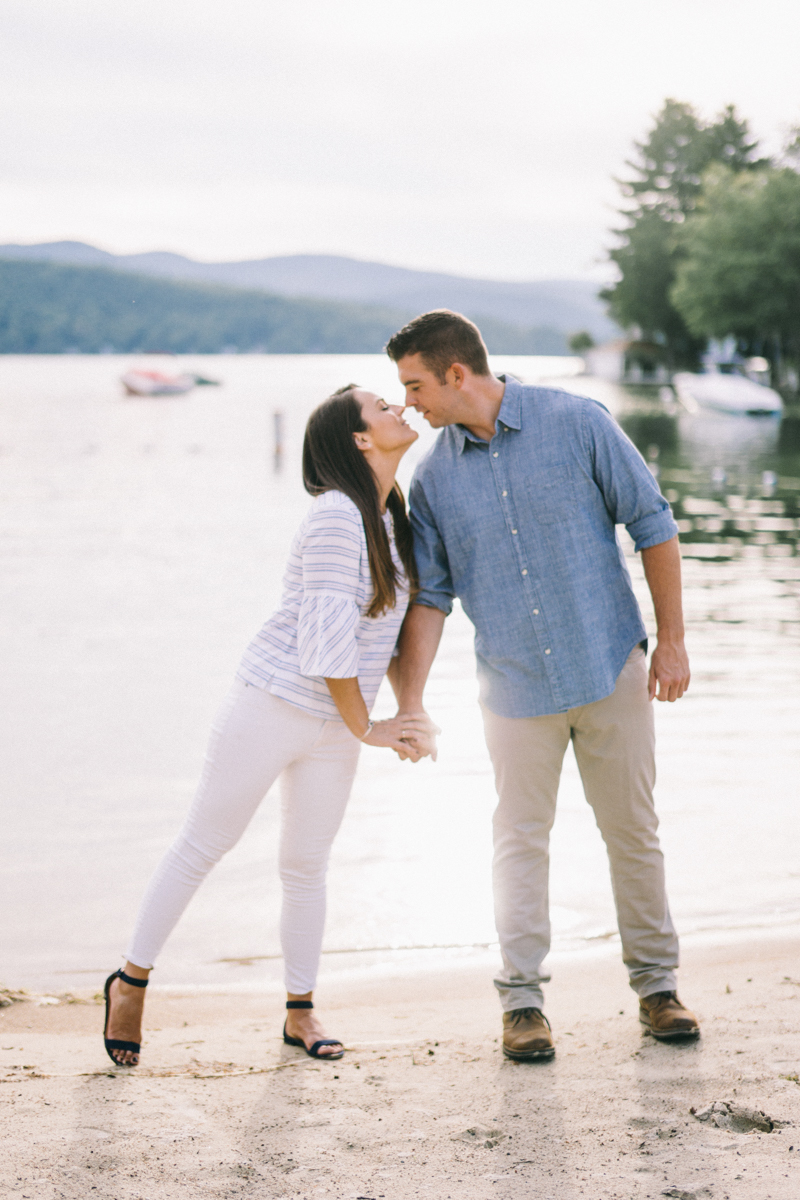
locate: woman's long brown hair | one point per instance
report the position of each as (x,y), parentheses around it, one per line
(333,462)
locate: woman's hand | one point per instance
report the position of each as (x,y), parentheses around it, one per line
(410,736)
(424,743)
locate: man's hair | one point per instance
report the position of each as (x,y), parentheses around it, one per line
(442,338)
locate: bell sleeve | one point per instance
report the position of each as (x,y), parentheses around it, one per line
(330,613)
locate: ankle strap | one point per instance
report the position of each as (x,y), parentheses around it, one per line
(299,1004)
(129,979)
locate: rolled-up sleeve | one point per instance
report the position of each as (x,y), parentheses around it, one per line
(328,622)
(630,492)
(435,582)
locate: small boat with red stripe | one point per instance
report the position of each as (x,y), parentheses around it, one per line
(138,382)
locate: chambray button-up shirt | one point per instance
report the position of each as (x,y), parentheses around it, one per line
(522,530)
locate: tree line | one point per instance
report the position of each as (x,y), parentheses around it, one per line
(710,241)
(46,308)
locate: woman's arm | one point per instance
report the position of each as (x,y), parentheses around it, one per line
(327,627)
(406,736)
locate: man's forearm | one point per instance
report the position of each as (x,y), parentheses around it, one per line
(418,643)
(662,570)
(669,666)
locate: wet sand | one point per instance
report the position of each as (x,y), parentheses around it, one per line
(423,1103)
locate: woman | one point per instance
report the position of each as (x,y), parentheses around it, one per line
(299,709)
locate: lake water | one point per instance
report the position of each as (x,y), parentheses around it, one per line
(143,542)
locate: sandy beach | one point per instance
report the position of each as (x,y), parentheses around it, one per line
(423,1104)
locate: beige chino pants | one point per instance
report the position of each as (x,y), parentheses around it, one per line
(614,743)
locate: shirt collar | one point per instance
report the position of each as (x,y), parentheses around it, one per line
(511,409)
(510,413)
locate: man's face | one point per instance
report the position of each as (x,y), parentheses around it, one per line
(436,401)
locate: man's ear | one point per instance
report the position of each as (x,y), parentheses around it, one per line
(455,375)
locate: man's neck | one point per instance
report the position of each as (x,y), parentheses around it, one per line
(482,406)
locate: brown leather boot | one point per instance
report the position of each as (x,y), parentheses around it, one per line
(666,1018)
(527,1036)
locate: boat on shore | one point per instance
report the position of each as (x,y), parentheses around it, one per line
(726,391)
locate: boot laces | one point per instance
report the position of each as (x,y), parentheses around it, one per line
(524,1014)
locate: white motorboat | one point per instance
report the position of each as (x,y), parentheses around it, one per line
(726,391)
(155,383)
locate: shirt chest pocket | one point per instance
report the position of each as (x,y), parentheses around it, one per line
(552,496)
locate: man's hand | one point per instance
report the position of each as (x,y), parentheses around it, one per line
(407,735)
(421,739)
(669,671)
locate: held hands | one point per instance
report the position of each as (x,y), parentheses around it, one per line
(424,743)
(410,735)
(669,671)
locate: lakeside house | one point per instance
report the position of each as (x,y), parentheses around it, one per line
(628,360)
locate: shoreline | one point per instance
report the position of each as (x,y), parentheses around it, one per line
(384,963)
(423,1104)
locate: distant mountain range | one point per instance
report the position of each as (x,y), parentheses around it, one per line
(553,308)
(52,308)
(55,308)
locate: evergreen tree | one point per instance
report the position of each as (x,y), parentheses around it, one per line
(665,188)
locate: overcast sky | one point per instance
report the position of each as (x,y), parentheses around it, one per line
(473,136)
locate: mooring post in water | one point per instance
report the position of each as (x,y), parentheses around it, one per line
(277,421)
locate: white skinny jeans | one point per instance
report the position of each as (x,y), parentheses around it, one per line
(257,737)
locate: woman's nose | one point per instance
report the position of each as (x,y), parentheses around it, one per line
(397,409)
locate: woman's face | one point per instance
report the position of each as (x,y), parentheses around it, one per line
(386,428)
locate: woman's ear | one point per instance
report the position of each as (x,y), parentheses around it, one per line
(362,441)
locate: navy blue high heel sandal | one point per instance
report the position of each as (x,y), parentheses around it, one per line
(313,1051)
(113,1043)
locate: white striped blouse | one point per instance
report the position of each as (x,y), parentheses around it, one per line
(321,629)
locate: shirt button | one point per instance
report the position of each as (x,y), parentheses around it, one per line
(524,570)
(547,651)
(505,493)
(536,612)
(513,531)
(495,455)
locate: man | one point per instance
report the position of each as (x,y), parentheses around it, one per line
(514,511)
